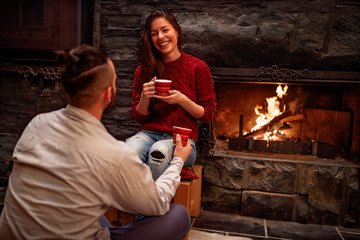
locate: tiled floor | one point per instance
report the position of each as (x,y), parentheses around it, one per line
(221,226)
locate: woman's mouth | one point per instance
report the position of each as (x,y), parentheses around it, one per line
(164,43)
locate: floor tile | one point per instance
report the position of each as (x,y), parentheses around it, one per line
(350,236)
(230,223)
(207,235)
(223,226)
(293,230)
(350,230)
(349,233)
(247,236)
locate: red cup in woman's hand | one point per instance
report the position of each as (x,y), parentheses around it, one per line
(162,87)
(184,134)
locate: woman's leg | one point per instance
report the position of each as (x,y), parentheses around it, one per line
(159,158)
(192,158)
(141,143)
(173,225)
(161,154)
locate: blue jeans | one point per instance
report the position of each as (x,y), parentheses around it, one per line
(156,150)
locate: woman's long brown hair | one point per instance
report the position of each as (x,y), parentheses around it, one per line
(150,58)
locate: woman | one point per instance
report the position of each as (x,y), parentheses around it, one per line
(192,97)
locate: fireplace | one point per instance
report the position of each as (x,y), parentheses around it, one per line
(315,113)
(308,172)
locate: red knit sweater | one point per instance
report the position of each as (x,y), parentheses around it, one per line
(190,76)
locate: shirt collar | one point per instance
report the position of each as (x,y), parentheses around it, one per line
(82,115)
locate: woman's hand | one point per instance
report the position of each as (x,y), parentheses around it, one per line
(149,89)
(148,92)
(175,97)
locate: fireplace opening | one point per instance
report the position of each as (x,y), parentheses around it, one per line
(318,117)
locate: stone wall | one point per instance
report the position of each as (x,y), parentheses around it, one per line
(20,100)
(318,35)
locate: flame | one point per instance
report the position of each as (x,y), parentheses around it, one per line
(281,92)
(273,110)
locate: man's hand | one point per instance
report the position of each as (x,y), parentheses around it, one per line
(180,151)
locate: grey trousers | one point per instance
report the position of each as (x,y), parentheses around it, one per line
(174,225)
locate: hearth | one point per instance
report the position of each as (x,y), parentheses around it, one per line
(307,171)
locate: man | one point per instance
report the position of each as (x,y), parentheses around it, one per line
(68,170)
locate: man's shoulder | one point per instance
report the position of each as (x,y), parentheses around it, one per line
(46,116)
(120,148)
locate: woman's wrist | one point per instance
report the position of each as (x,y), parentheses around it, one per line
(192,107)
(143,105)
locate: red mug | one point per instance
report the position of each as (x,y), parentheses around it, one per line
(184,134)
(162,87)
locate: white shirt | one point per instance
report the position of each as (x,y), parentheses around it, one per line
(68,170)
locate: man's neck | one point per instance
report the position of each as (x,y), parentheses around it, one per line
(92,110)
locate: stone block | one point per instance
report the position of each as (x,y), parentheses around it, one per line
(300,211)
(7,144)
(323,185)
(331,192)
(322,217)
(120,21)
(267,205)
(353,211)
(345,32)
(223,172)
(272,176)
(219,199)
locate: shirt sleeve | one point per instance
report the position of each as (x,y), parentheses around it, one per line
(135,191)
(205,95)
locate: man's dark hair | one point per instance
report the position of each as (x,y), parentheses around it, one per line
(84,72)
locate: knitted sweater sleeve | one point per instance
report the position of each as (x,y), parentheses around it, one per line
(137,89)
(205,95)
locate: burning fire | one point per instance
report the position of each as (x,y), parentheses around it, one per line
(273,110)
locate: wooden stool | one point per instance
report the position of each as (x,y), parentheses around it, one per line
(189,194)
(118,218)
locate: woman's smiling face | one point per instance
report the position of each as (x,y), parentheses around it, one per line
(164,37)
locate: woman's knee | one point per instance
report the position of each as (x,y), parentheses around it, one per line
(162,151)
(160,156)
(192,158)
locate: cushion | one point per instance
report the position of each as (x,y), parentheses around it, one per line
(187,173)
